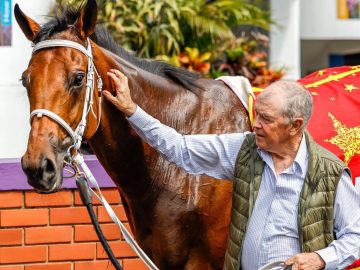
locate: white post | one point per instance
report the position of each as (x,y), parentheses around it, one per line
(285,37)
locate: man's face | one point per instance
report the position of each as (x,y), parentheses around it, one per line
(272,130)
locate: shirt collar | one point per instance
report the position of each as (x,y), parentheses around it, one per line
(301,158)
(299,165)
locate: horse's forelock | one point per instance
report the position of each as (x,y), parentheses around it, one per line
(59,23)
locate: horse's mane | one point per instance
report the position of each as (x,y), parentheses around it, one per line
(102,37)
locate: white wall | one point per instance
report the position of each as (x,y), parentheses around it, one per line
(309,20)
(315,53)
(322,34)
(285,37)
(319,21)
(14,108)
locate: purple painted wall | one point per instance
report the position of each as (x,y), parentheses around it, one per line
(13,178)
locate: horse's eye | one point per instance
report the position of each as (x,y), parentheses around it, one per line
(78,80)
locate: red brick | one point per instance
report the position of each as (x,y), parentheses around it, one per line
(44,235)
(111,195)
(103,215)
(119,248)
(12,267)
(10,237)
(84,233)
(75,215)
(70,252)
(33,199)
(49,266)
(131,264)
(24,217)
(95,265)
(11,199)
(22,254)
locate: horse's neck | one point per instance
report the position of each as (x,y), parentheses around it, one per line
(116,145)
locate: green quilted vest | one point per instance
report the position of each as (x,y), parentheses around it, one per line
(315,215)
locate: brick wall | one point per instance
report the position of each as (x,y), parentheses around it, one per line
(54,232)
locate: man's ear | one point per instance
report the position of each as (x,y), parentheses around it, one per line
(86,23)
(297,125)
(28,26)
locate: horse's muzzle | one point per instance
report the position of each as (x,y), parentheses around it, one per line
(43,175)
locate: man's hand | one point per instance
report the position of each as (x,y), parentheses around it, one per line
(122,99)
(306,261)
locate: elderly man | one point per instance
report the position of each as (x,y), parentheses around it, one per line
(292,201)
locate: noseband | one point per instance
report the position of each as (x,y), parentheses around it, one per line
(78,133)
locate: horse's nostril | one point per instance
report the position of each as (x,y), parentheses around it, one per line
(42,175)
(48,168)
(44,171)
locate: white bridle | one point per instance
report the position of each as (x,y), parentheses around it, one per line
(89,94)
(79,132)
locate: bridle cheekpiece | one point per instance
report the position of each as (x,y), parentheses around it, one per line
(78,133)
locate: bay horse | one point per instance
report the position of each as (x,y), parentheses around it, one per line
(180,221)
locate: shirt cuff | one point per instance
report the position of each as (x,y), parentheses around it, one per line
(329,256)
(139,118)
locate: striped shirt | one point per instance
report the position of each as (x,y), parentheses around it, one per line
(272,233)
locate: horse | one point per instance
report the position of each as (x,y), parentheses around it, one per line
(180,220)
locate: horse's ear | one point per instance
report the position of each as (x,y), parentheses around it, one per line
(29,27)
(87,21)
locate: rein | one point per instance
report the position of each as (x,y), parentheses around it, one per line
(77,159)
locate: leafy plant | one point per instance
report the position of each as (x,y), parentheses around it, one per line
(192,60)
(208,24)
(247,57)
(148,27)
(167,27)
(184,32)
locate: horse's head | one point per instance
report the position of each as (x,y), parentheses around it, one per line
(56,83)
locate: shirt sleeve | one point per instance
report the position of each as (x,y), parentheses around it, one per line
(346,249)
(211,154)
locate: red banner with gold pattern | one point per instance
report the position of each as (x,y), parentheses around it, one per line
(335,123)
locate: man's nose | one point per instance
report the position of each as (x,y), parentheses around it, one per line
(256,124)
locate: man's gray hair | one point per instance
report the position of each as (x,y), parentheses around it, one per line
(298,101)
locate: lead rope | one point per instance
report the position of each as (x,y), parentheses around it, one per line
(77,160)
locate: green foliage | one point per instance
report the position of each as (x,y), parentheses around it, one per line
(167,27)
(184,32)
(235,54)
(148,27)
(247,56)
